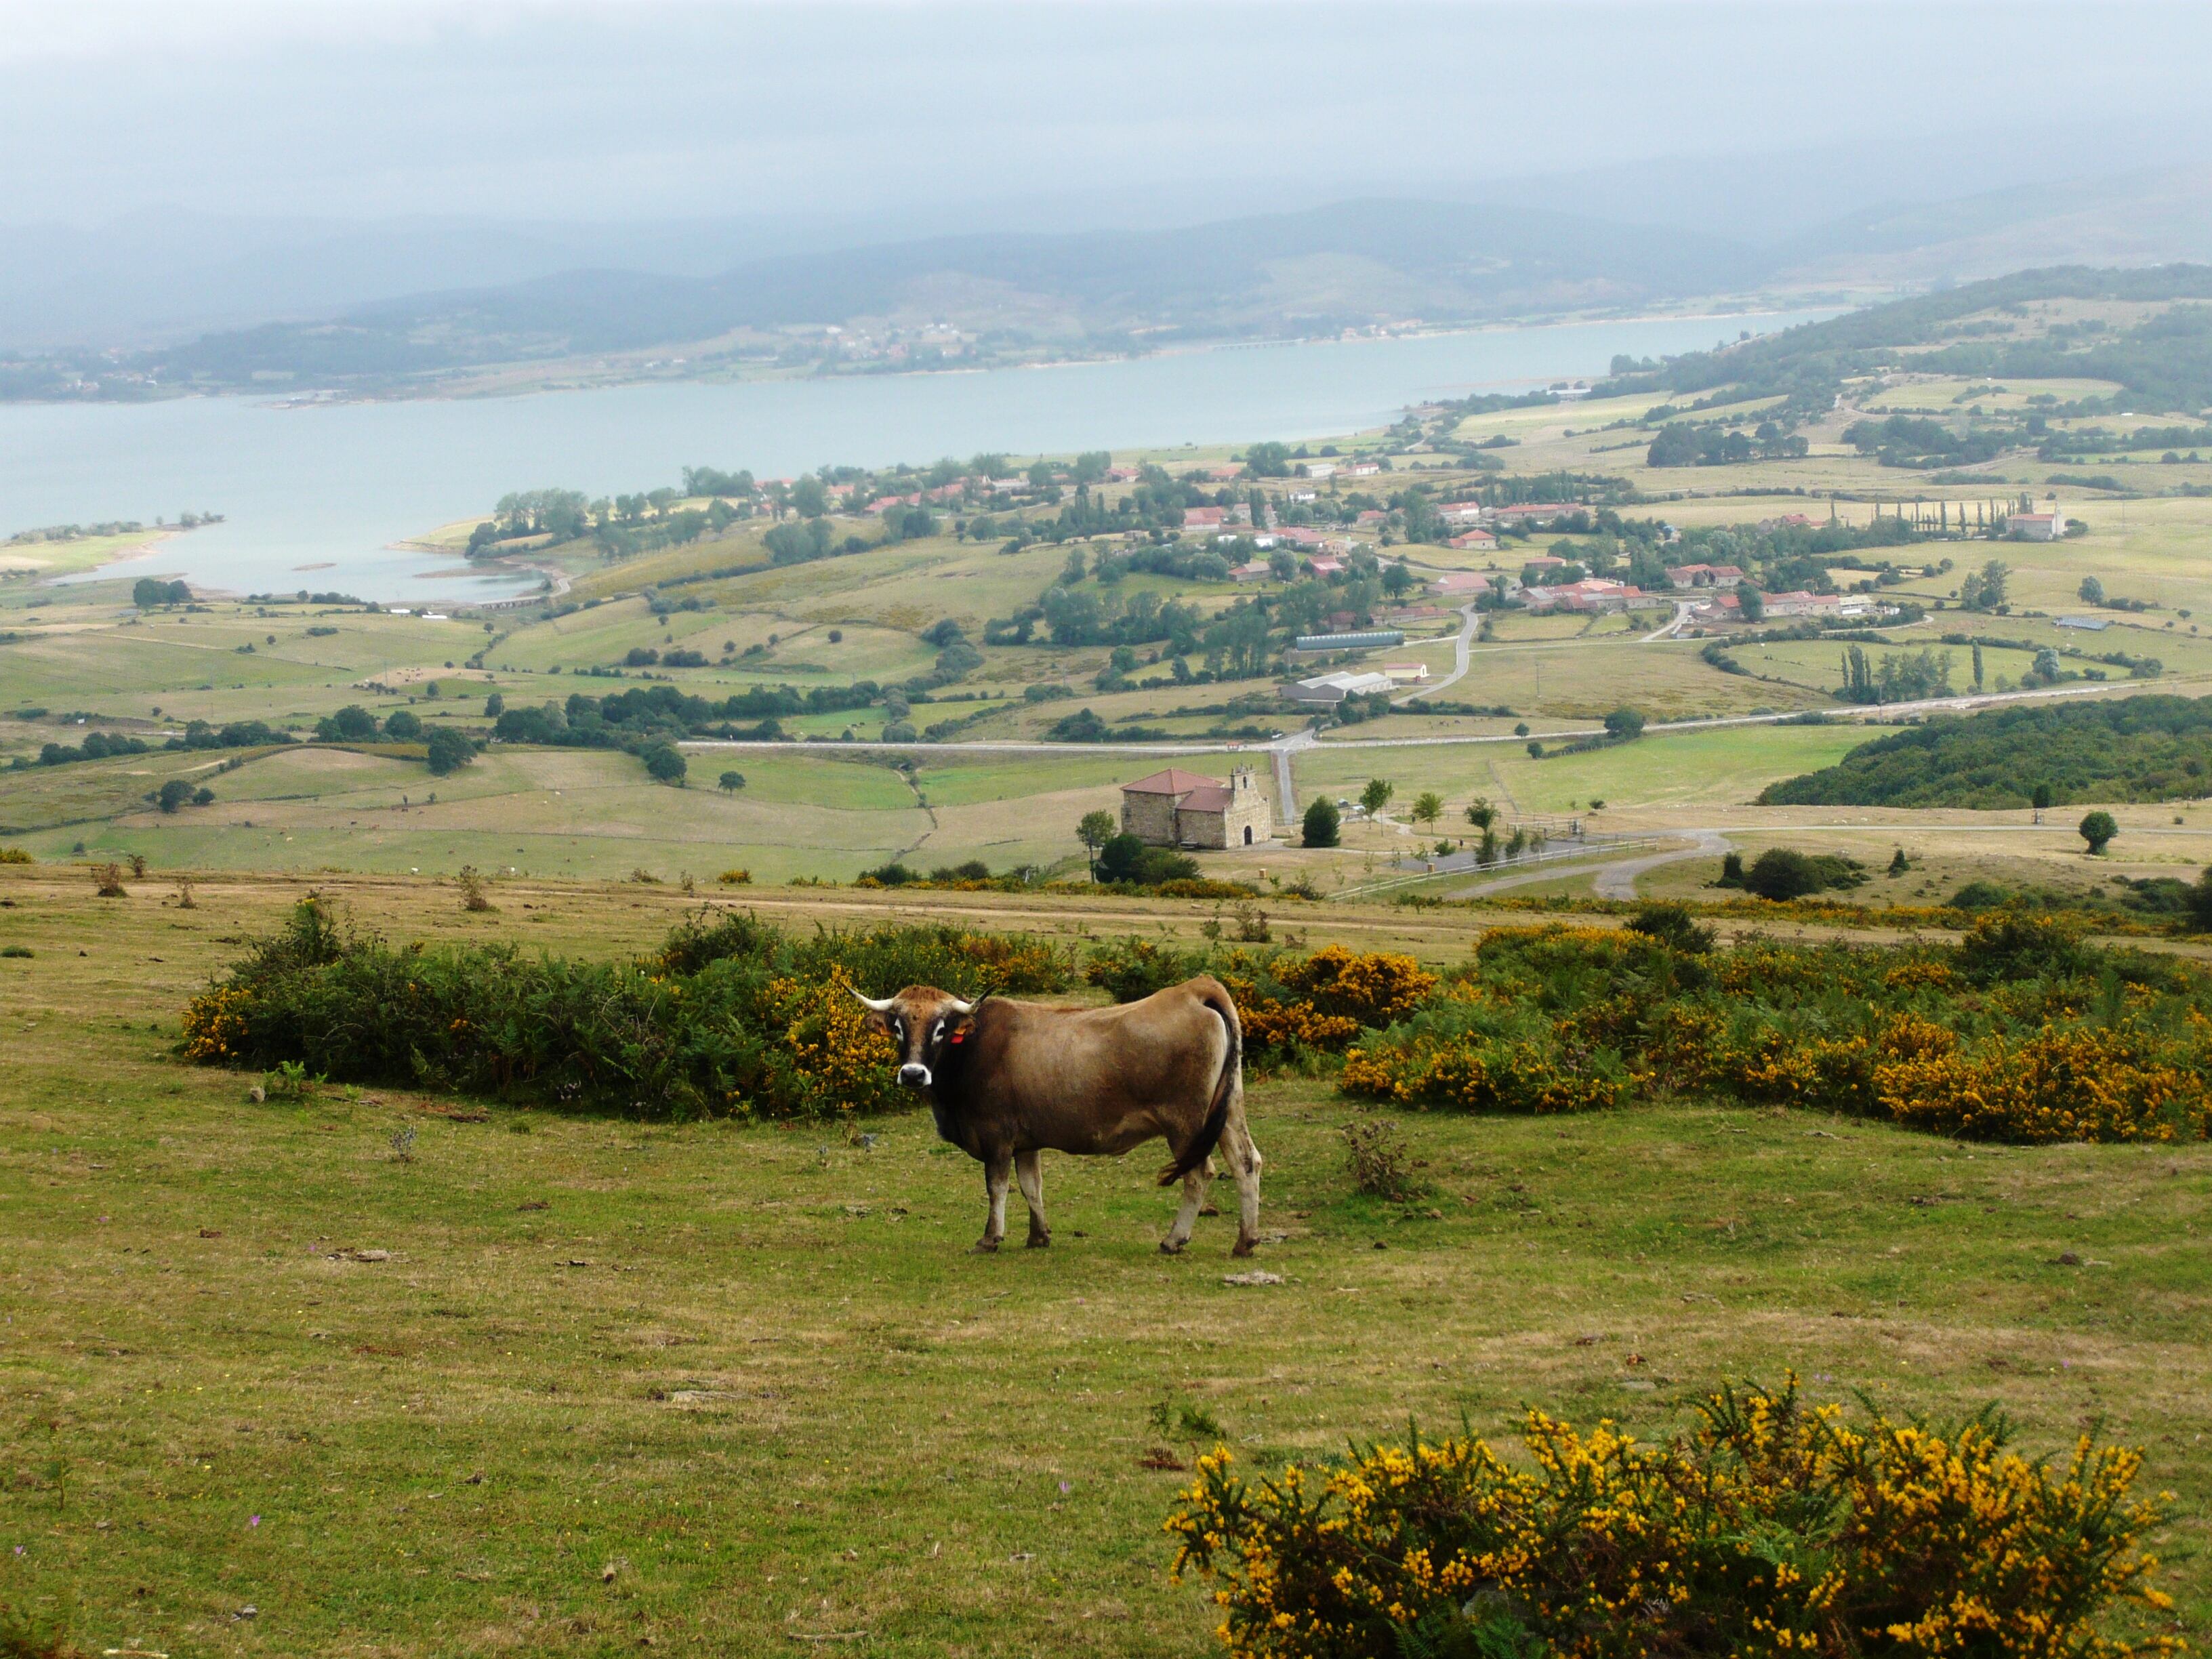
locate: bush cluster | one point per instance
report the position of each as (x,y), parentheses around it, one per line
(1289,1003)
(2021,1032)
(732,1016)
(1775,1527)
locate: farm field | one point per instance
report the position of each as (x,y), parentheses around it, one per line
(579,1385)
(570,812)
(1722,768)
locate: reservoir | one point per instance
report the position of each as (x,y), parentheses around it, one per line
(316,496)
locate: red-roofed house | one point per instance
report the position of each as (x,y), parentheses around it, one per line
(1480,541)
(1323,567)
(1176,808)
(1704,575)
(1203,518)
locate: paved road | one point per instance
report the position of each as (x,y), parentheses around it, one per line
(1667,630)
(1618,880)
(1617,876)
(1284,746)
(1467,633)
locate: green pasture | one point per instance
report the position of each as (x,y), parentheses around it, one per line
(572,812)
(1721,767)
(434,1376)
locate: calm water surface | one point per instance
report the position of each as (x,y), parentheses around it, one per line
(315,497)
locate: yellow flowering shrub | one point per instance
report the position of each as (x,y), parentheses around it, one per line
(1469,1073)
(1775,1528)
(843,1065)
(2085,1083)
(216,1024)
(1371,987)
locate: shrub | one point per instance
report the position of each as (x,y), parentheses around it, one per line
(1775,1527)
(736,878)
(1125,859)
(1321,825)
(14,855)
(733,1016)
(2098,829)
(476,892)
(664,762)
(107,880)
(1784,872)
(1470,1070)
(1670,924)
(1378,1161)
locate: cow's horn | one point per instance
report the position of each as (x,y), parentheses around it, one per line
(959,1007)
(882,1005)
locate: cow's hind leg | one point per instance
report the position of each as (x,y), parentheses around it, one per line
(1244,1161)
(996,1169)
(1031,1176)
(1193,1200)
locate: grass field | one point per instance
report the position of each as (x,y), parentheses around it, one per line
(1720,768)
(718,1389)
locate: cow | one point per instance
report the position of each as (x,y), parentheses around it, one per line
(1007,1080)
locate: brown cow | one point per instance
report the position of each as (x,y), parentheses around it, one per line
(1009,1079)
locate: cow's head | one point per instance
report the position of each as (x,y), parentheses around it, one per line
(927,1025)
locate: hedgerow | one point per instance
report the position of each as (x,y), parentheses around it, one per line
(2023,1031)
(732,1017)
(1775,1528)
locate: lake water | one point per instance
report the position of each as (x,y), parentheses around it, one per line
(316,496)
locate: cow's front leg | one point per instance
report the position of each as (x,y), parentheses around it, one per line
(1027,1172)
(996,1170)
(1193,1200)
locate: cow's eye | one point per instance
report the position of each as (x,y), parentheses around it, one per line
(938,1033)
(898,1028)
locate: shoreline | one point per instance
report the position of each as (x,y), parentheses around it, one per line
(323,397)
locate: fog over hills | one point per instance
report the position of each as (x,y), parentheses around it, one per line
(227,300)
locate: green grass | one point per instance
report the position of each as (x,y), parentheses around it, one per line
(723,1387)
(1724,767)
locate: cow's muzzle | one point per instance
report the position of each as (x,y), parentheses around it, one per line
(913,1075)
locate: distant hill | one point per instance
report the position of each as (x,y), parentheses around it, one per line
(1986,328)
(1349,265)
(2139,748)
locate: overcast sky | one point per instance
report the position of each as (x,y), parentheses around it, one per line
(372,108)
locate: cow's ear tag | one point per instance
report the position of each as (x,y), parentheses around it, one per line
(960,1036)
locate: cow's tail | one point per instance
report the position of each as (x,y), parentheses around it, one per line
(1225,1090)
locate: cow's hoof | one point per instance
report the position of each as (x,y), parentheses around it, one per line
(984,1246)
(1244,1247)
(1172,1246)
(1040,1241)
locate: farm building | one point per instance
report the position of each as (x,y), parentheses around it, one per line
(1326,690)
(1176,808)
(1371,638)
(2037,527)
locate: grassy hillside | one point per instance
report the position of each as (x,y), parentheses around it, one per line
(569,1385)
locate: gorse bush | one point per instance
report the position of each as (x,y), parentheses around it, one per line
(1774,1528)
(2023,1031)
(1288,1003)
(733,1018)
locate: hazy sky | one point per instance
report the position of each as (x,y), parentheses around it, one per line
(369,108)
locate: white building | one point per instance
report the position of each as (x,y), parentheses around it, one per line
(1326,690)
